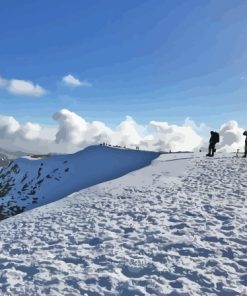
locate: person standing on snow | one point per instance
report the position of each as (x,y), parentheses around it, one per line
(212,142)
(245,146)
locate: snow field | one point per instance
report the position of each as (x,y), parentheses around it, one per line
(27,182)
(176,227)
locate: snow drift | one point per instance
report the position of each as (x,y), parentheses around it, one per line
(27,182)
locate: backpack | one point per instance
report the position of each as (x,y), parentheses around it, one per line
(216,137)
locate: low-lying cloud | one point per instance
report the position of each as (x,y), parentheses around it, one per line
(174,137)
(232,136)
(73,133)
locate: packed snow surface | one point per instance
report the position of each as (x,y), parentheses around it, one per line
(30,182)
(176,227)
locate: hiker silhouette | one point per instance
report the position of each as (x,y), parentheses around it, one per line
(245,146)
(212,142)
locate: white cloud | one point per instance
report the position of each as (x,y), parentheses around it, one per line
(74,133)
(201,128)
(30,131)
(174,137)
(70,80)
(8,125)
(22,87)
(71,127)
(129,133)
(231,136)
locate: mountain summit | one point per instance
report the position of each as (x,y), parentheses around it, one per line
(30,182)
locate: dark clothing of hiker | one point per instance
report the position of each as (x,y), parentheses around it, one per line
(211,149)
(212,142)
(245,146)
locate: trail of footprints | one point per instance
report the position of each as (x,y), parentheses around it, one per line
(187,238)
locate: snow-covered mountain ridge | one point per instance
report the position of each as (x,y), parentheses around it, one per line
(30,182)
(176,227)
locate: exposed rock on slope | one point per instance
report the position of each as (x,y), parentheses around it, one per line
(30,182)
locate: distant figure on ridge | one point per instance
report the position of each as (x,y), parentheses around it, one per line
(245,146)
(215,138)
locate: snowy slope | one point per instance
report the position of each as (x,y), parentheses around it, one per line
(30,182)
(176,227)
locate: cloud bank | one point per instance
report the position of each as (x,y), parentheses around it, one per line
(232,136)
(71,81)
(174,138)
(22,87)
(73,133)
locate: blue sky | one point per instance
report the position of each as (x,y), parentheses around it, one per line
(153,60)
